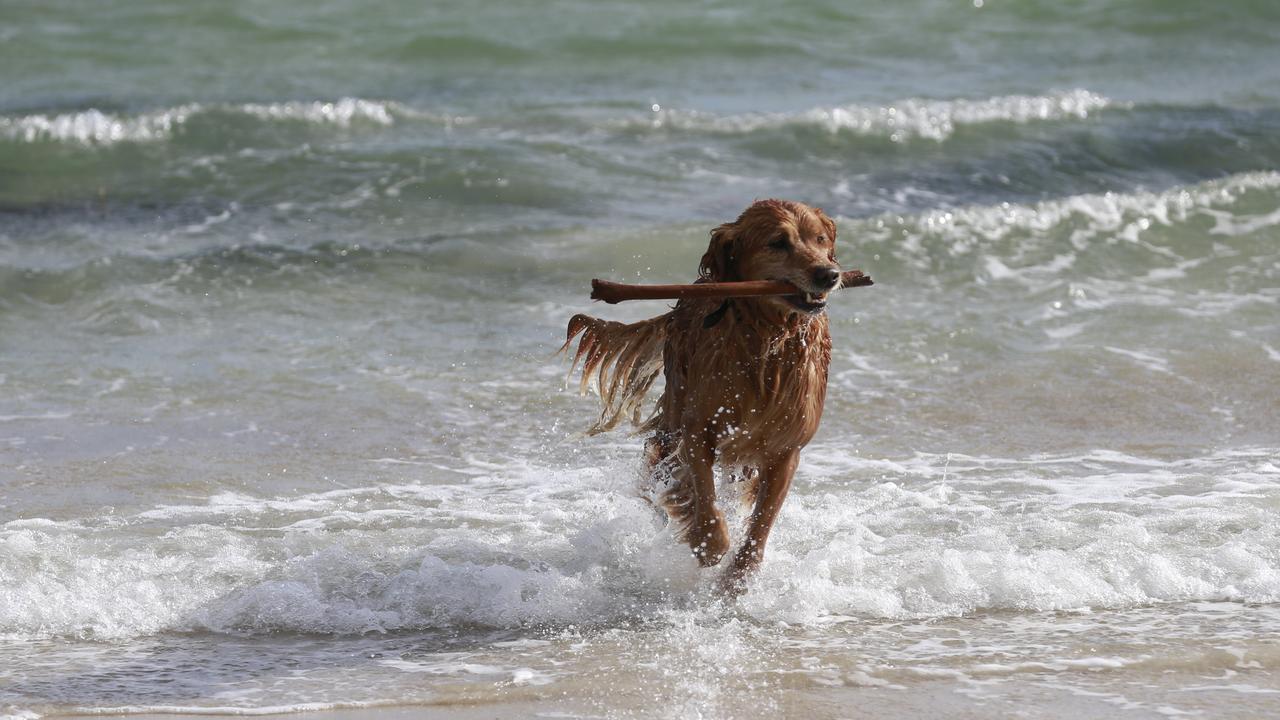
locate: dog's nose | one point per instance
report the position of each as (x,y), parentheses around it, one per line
(826,277)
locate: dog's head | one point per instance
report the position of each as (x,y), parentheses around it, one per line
(778,240)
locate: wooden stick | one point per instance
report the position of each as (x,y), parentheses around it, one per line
(613,293)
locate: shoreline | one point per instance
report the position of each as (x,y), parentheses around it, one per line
(1032,697)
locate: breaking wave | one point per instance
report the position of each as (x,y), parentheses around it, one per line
(914,537)
(900,121)
(95,127)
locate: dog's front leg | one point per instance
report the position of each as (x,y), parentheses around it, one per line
(775,481)
(707,533)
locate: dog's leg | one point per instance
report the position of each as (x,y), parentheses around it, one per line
(655,451)
(706,532)
(774,482)
(659,470)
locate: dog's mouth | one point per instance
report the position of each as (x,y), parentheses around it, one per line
(812,303)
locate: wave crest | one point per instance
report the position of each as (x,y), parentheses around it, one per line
(916,537)
(94,127)
(901,121)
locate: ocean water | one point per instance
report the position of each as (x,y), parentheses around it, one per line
(282,426)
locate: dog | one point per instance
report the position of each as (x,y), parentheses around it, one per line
(745,378)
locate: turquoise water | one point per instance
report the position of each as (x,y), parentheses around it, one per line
(281,425)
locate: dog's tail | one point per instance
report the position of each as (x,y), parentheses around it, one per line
(624,359)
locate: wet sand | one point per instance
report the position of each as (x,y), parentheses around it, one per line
(1035,698)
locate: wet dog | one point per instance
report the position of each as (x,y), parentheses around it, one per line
(746,378)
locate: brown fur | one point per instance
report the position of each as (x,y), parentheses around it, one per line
(745,380)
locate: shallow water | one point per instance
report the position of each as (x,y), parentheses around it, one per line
(282,427)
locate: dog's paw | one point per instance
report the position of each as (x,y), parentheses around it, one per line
(709,540)
(734,580)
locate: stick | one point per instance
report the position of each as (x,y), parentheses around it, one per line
(613,293)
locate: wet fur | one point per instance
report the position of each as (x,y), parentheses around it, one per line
(745,379)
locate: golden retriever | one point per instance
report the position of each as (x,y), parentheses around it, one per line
(746,378)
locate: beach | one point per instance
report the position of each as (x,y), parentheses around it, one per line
(284,430)
(1015,699)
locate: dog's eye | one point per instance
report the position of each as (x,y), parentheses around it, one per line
(782,242)
(821,239)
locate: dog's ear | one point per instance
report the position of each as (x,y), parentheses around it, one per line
(718,263)
(830,226)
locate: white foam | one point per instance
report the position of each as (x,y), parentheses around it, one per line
(1104,214)
(902,120)
(916,537)
(1227,224)
(1088,253)
(1146,360)
(1041,551)
(94,127)
(341,113)
(997,270)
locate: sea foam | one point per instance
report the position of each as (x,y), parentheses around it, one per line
(929,119)
(918,537)
(95,127)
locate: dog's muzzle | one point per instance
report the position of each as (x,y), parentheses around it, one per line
(812,303)
(825,278)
